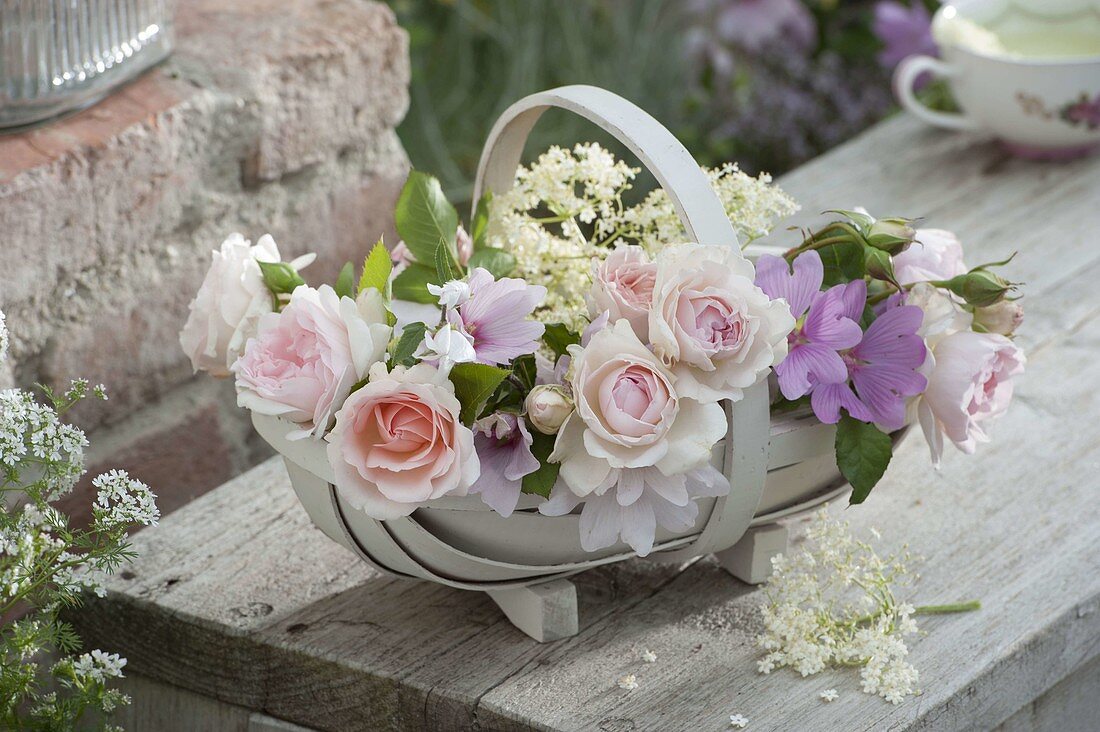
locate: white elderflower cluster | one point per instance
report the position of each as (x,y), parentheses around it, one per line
(833,604)
(754,206)
(122,501)
(567,209)
(35,442)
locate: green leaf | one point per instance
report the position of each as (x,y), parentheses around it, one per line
(424,216)
(525,370)
(411,337)
(412,284)
(474,384)
(558,337)
(480,224)
(863,452)
(843,262)
(499,262)
(280,277)
(345,281)
(446,268)
(377,268)
(541,481)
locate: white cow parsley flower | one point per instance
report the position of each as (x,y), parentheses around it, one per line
(628,682)
(37,445)
(739,721)
(123,501)
(829,695)
(3,338)
(98,666)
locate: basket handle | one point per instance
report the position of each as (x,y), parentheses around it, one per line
(693,198)
(705,220)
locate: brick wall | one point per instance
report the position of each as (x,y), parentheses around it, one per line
(272,116)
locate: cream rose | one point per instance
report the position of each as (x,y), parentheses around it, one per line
(398,442)
(970,382)
(629,415)
(935,254)
(548,406)
(716,330)
(305,359)
(622,286)
(229,303)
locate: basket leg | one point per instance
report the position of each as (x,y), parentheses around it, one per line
(546,611)
(750,559)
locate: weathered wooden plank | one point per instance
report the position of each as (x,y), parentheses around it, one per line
(237,598)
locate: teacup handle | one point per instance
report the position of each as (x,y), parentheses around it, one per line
(905,76)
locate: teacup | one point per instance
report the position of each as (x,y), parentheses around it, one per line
(1027,71)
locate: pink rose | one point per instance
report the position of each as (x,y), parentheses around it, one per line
(629,415)
(622,285)
(970,383)
(398,442)
(935,254)
(716,330)
(227,308)
(305,359)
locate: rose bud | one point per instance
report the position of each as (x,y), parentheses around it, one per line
(979,287)
(547,407)
(1003,317)
(890,235)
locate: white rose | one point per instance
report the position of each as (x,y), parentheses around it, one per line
(935,254)
(716,330)
(548,406)
(629,415)
(229,303)
(1003,317)
(970,383)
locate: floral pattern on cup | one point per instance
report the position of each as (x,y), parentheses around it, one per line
(1081,112)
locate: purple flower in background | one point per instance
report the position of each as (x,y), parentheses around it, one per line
(503,445)
(754,24)
(823,327)
(904,30)
(883,368)
(495,317)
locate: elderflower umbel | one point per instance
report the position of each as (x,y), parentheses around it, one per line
(567,208)
(832,604)
(122,501)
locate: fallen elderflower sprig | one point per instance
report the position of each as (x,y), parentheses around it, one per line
(832,604)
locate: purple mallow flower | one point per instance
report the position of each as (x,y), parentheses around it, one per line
(904,30)
(883,368)
(495,317)
(503,445)
(822,330)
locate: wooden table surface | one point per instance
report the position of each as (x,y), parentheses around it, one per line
(236,597)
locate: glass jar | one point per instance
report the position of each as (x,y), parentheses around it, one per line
(57,56)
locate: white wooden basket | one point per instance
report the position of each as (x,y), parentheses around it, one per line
(776,468)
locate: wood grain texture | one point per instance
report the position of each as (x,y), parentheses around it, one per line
(237,598)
